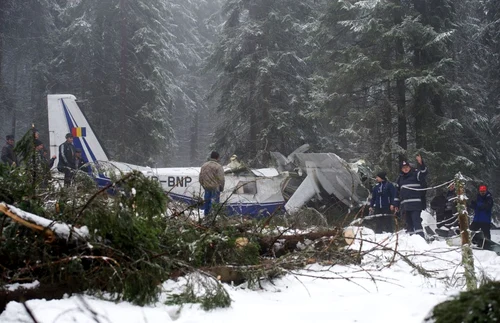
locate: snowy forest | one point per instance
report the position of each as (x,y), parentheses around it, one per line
(165,81)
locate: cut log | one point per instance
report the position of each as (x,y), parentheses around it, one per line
(48,234)
(48,292)
(349,235)
(288,243)
(52,230)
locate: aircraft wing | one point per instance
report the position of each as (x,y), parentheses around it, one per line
(330,173)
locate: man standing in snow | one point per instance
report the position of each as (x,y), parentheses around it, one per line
(446,217)
(482,206)
(383,203)
(212,180)
(409,202)
(8,154)
(66,163)
(42,164)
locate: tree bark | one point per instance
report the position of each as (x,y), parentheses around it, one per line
(463,219)
(290,242)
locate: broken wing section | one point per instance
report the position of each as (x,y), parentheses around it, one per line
(326,172)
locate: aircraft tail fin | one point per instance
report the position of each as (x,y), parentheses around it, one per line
(66,117)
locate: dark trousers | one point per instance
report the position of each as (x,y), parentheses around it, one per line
(384,223)
(211,197)
(483,226)
(445,218)
(414,222)
(68,176)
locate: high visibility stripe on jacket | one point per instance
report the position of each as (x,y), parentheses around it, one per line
(409,199)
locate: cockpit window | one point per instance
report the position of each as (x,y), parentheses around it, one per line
(249,187)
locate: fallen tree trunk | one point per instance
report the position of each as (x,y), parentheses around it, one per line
(45,291)
(63,242)
(48,234)
(51,229)
(283,244)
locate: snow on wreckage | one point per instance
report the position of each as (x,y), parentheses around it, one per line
(255,192)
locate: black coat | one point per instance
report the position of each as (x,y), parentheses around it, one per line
(410,199)
(442,203)
(80,165)
(8,154)
(66,156)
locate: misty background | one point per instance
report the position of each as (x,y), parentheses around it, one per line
(163,82)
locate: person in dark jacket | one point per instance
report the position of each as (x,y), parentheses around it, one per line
(483,206)
(382,202)
(8,154)
(43,155)
(67,162)
(51,160)
(409,201)
(42,163)
(444,206)
(80,162)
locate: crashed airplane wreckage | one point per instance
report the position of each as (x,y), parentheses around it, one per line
(294,181)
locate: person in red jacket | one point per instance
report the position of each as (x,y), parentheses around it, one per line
(483,206)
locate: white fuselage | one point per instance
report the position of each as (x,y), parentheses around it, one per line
(256,191)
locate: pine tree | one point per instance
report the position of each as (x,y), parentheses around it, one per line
(450,116)
(491,39)
(194,26)
(394,65)
(112,54)
(263,89)
(361,46)
(26,44)
(137,64)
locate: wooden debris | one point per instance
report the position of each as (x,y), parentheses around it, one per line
(48,234)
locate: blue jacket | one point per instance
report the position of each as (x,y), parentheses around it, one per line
(383,195)
(482,208)
(409,199)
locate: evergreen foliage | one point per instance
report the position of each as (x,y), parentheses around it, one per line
(202,289)
(132,245)
(262,88)
(27,35)
(24,182)
(364,79)
(479,306)
(125,232)
(393,84)
(369,79)
(358,66)
(119,67)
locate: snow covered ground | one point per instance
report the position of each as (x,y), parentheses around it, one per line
(377,291)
